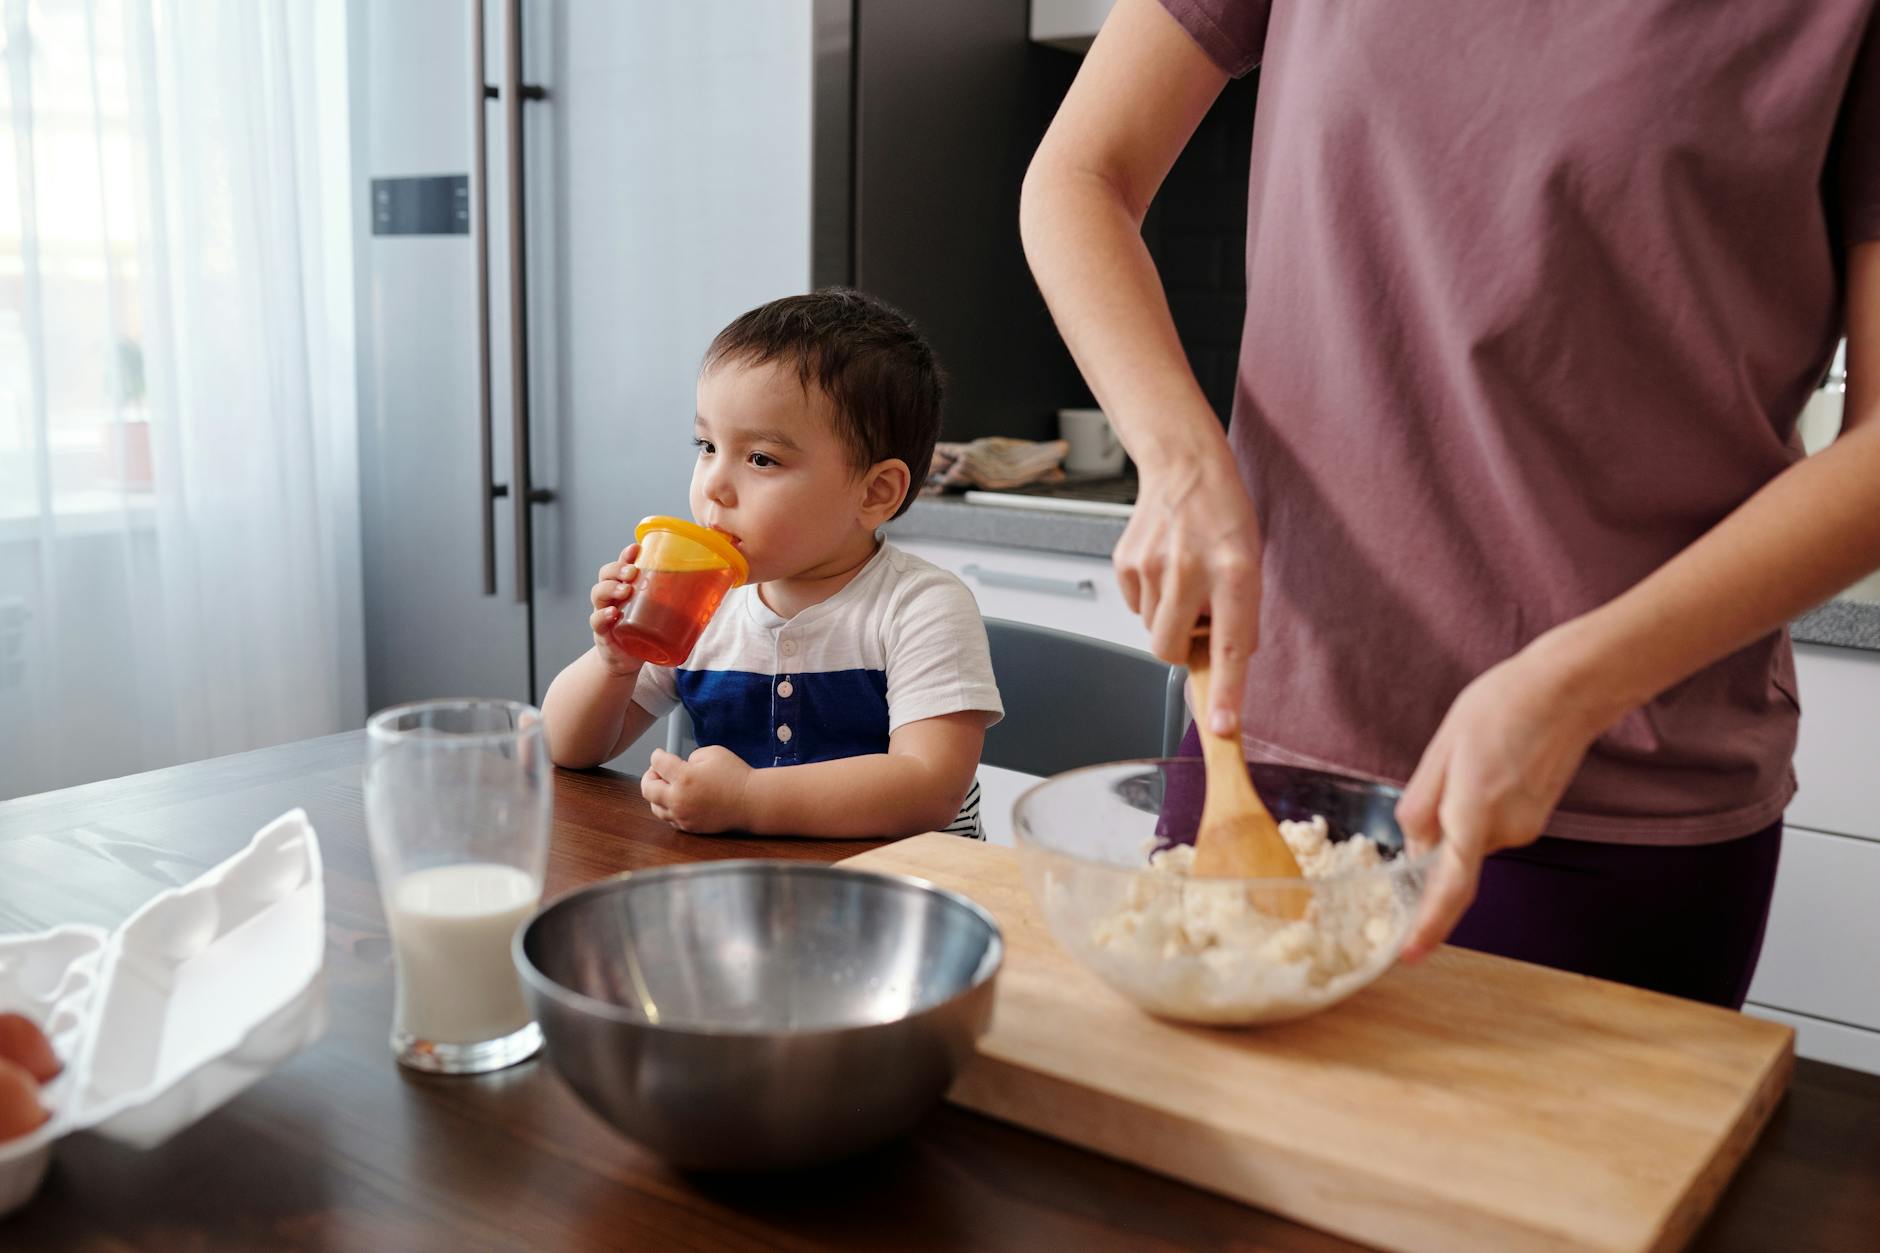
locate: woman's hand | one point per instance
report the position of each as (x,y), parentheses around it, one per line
(1192,547)
(1491,777)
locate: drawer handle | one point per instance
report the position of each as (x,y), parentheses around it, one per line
(1083,589)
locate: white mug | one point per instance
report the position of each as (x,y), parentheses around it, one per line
(1094,448)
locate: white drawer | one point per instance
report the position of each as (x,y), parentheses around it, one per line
(1826,1041)
(1821,956)
(1840,741)
(1068,593)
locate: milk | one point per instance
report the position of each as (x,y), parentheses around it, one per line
(451,928)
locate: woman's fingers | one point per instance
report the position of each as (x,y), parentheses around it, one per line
(1439,811)
(1129,582)
(1233,634)
(1126,557)
(1465,819)
(1178,606)
(1226,587)
(1451,890)
(1416,808)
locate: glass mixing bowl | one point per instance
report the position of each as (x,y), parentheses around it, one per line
(1102,850)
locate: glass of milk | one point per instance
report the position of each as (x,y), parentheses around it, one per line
(458,797)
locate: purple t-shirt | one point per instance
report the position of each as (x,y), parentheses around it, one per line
(1535,293)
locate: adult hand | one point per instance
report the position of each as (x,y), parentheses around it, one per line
(1490,779)
(1192,547)
(704,793)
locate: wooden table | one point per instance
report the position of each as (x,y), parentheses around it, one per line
(343,1149)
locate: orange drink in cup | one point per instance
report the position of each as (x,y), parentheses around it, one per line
(685,571)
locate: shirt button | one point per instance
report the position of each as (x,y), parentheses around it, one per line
(783,733)
(789,648)
(784,689)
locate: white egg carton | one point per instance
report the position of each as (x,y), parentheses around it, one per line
(201,992)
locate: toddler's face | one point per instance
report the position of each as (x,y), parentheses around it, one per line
(771,471)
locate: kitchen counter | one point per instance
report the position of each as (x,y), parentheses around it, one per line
(949,518)
(340,1148)
(1847,622)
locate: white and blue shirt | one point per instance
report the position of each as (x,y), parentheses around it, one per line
(901,642)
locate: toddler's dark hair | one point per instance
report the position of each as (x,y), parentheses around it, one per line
(868,357)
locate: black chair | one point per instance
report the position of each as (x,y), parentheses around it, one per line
(1071,701)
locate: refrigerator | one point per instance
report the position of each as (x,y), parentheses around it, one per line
(562,201)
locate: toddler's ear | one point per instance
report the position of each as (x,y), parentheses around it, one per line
(884,486)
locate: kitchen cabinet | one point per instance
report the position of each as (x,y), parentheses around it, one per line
(1818,959)
(1068,593)
(1823,1041)
(1836,759)
(1819,971)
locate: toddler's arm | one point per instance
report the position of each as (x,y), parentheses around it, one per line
(590,714)
(589,711)
(917,785)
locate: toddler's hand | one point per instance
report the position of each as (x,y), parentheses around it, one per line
(610,597)
(703,793)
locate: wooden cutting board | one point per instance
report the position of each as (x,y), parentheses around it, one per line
(1469,1102)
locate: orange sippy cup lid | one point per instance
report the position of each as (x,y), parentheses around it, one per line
(714,543)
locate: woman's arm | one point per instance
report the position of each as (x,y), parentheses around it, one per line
(1806,535)
(1192,544)
(1514,738)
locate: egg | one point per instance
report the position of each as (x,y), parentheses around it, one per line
(20,1110)
(26,1046)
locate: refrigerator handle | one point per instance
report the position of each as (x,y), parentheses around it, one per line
(523,495)
(482,92)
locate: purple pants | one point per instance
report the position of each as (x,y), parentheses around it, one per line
(1684,919)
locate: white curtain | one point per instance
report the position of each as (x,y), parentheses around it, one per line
(179,519)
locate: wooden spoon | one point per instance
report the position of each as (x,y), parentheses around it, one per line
(1238,838)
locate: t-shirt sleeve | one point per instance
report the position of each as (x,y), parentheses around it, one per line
(655,690)
(1231,32)
(937,656)
(1857,172)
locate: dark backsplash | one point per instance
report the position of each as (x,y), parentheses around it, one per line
(951,101)
(1196,231)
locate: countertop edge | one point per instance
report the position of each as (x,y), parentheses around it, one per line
(955,521)
(1841,623)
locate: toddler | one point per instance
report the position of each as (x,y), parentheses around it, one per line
(846,688)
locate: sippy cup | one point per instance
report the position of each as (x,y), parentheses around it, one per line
(685,570)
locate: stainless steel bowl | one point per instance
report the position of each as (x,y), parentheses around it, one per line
(752,1015)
